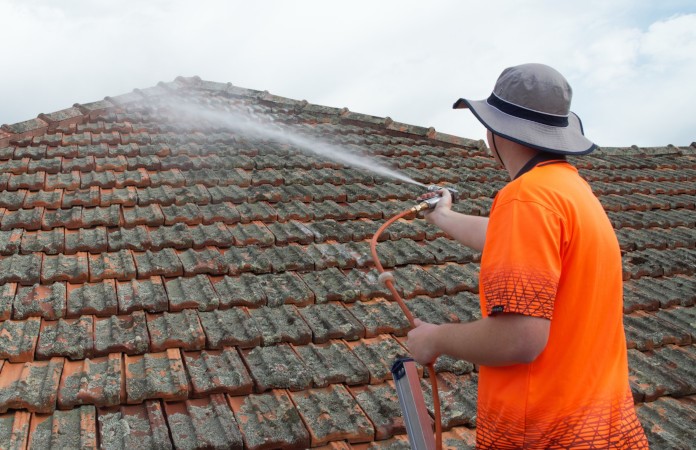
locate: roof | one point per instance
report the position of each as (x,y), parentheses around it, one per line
(188,286)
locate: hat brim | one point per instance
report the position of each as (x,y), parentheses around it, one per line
(568,140)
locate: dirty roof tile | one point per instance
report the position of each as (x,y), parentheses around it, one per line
(46,301)
(242,290)
(366,282)
(413,280)
(269,420)
(70,218)
(118,265)
(109,216)
(12,200)
(281,324)
(381,405)
(219,212)
(7,294)
(150,215)
(60,267)
(124,334)
(682,318)
(291,232)
(30,181)
(191,292)
(649,382)
(217,371)
(261,211)
(285,288)
(378,354)
(215,234)
(255,233)
(456,277)
(142,295)
(125,196)
(646,331)
(293,210)
(18,339)
(136,238)
(69,181)
(32,386)
(331,321)
(277,367)
(188,213)
(230,327)
(95,381)
(175,330)
(208,260)
(29,219)
(332,363)
(91,240)
(431,310)
(330,285)
(92,298)
(332,414)
(65,429)
(289,257)
(72,338)
(379,317)
(155,376)
(668,422)
(46,199)
(143,425)
(10,241)
(331,254)
(457,398)
(14,429)
(203,423)
(247,259)
(163,262)
(329,230)
(89,197)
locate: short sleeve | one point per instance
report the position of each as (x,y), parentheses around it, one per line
(521,260)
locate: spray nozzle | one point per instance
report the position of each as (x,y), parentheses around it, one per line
(432,200)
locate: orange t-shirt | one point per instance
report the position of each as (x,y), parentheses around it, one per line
(551,252)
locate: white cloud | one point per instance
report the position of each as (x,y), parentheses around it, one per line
(405,59)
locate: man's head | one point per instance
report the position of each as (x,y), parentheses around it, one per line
(530,105)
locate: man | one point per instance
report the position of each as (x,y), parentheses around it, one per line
(551,345)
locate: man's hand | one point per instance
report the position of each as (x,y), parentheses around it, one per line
(445,203)
(421,342)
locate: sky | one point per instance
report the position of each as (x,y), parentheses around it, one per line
(631,63)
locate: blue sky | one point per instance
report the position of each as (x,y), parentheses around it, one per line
(630,63)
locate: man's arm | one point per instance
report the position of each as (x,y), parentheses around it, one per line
(500,340)
(466,229)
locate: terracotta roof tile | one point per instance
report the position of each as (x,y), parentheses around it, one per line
(175,330)
(72,338)
(277,367)
(381,405)
(217,371)
(457,399)
(378,354)
(289,257)
(14,429)
(95,381)
(18,339)
(133,426)
(155,375)
(281,324)
(98,299)
(65,429)
(668,422)
(646,331)
(125,334)
(10,241)
(31,386)
(46,301)
(332,414)
(206,422)
(230,327)
(269,420)
(146,294)
(648,382)
(332,363)
(380,317)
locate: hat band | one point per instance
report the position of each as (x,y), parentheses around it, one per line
(522,113)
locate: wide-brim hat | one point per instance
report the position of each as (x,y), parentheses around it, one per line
(530,105)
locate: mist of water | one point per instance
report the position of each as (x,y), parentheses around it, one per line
(254,125)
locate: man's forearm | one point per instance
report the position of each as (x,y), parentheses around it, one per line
(492,341)
(466,229)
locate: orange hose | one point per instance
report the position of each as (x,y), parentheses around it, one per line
(409,316)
